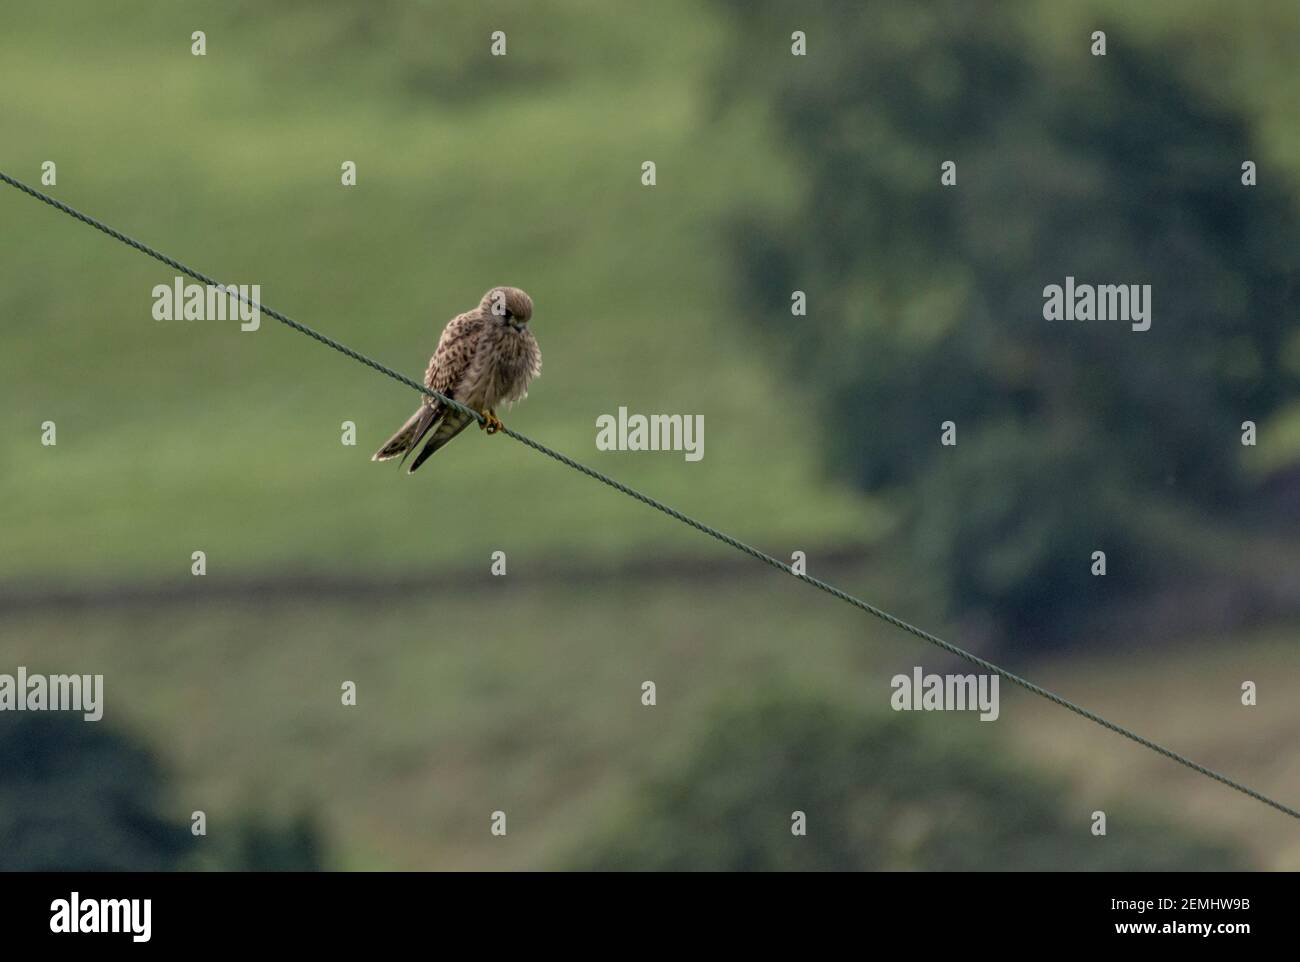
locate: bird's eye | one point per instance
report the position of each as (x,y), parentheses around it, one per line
(509,316)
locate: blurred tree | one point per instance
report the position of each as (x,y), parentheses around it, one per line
(261,845)
(78,796)
(899,792)
(926,301)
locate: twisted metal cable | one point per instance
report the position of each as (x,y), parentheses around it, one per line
(673,513)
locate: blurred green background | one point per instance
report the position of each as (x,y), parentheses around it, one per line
(775,173)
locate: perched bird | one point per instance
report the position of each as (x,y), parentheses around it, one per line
(485,357)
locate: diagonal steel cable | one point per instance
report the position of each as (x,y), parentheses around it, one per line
(673,513)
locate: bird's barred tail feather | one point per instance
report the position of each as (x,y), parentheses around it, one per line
(451,425)
(409,436)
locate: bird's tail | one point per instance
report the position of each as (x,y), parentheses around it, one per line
(409,436)
(452,423)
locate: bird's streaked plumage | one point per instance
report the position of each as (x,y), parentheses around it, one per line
(485,357)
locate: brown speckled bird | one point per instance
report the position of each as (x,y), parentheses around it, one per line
(485,357)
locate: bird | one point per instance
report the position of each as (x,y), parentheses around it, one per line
(485,357)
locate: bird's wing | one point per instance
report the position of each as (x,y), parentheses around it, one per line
(455,352)
(447,368)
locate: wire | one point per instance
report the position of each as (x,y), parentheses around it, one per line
(670,511)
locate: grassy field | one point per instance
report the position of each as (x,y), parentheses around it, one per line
(1189,699)
(521,700)
(182,435)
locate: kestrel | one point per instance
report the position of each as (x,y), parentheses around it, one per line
(485,357)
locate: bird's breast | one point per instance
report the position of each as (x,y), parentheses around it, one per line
(509,359)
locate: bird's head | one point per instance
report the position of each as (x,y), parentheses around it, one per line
(510,304)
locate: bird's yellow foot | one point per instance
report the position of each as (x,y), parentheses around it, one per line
(491,423)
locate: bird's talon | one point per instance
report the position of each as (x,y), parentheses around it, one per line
(491,423)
